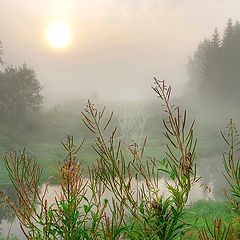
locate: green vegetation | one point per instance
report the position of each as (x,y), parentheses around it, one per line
(138,209)
(209,210)
(43,140)
(232,166)
(201,211)
(19,95)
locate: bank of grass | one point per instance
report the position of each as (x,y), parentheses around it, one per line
(207,210)
(50,153)
(41,141)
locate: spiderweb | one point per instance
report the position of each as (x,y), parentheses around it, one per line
(131,119)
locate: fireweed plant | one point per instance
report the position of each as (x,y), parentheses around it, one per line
(232,166)
(78,209)
(231,163)
(218,231)
(135,182)
(138,207)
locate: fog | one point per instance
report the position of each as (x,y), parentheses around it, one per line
(117,48)
(111,51)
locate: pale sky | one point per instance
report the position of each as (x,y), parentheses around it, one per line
(118,46)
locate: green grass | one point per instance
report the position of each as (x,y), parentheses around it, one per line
(43,139)
(208,209)
(204,210)
(49,155)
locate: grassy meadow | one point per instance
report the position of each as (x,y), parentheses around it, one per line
(43,139)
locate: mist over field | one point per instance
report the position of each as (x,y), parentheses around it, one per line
(117,46)
(56,55)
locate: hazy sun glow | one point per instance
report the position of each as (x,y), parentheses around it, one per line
(59,35)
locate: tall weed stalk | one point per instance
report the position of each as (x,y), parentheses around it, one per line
(218,232)
(135,180)
(139,206)
(78,209)
(231,164)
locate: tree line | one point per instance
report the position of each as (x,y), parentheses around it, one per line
(214,68)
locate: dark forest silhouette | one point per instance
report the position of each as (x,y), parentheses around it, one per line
(214,68)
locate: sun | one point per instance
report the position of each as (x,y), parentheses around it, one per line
(59,35)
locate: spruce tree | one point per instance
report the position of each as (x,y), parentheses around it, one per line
(228,34)
(195,67)
(214,69)
(216,40)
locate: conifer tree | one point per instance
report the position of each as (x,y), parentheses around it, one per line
(228,34)
(216,40)
(237,38)
(195,67)
(1,60)
(214,69)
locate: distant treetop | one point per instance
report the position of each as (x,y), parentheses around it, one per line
(20,94)
(214,68)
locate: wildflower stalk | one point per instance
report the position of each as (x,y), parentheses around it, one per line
(73,215)
(134,182)
(231,164)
